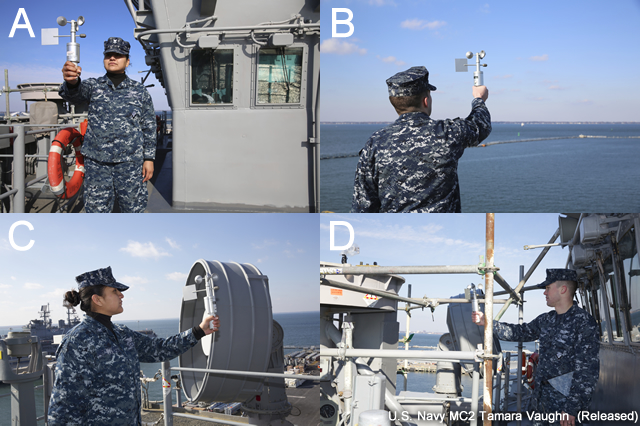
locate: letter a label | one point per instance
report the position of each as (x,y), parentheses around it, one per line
(26,25)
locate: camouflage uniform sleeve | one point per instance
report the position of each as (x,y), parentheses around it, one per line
(587,368)
(476,127)
(365,189)
(148,126)
(526,332)
(155,349)
(79,94)
(75,370)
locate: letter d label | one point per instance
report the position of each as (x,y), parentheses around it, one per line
(335,22)
(332,225)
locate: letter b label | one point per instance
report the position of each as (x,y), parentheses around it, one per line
(335,22)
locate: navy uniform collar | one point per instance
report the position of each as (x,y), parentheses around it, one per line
(414,115)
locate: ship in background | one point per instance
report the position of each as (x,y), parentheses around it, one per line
(242,80)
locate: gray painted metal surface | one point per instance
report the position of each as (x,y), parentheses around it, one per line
(242,80)
(243,341)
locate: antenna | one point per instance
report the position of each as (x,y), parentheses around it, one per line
(461,66)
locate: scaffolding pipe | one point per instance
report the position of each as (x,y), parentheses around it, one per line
(520,347)
(400,270)
(475,385)
(508,290)
(451,356)
(488,328)
(424,302)
(533,267)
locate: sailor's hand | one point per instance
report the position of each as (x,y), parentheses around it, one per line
(147,170)
(477,318)
(570,422)
(206,323)
(71,72)
(481,92)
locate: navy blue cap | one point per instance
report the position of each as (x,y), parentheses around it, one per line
(411,82)
(117,45)
(99,277)
(554,275)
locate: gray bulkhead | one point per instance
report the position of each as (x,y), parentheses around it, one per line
(244,100)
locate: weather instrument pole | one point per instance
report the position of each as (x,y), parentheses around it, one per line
(461,66)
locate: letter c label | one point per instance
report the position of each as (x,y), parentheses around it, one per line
(13,243)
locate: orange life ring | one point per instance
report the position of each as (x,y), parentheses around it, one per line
(529,365)
(59,186)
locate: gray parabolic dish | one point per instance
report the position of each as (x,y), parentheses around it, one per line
(243,341)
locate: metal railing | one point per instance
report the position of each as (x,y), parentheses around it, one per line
(18,191)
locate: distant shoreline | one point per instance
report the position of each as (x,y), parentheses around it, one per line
(497,122)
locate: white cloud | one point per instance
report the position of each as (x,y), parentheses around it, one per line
(502,77)
(392,60)
(418,24)
(339,47)
(173,244)
(56,294)
(264,244)
(32,286)
(145,250)
(556,88)
(177,276)
(541,58)
(133,280)
(5,286)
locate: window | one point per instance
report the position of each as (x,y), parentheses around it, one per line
(212,76)
(279,75)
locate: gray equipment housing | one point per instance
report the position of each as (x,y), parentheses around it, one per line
(244,340)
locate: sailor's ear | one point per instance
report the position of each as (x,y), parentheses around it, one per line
(97,299)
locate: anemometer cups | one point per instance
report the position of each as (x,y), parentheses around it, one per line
(244,339)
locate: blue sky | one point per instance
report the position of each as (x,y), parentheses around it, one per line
(29,62)
(153,255)
(449,239)
(547,60)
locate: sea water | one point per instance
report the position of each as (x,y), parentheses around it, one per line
(538,176)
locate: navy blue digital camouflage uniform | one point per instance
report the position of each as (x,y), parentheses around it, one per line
(98,377)
(412,164)
(121,134)
(97,380)
(568,343)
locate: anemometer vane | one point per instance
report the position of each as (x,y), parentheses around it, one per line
(461,66)
(73,48)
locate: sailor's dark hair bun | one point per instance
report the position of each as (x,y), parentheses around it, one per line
(71,299)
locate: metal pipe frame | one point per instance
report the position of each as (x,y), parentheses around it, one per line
(266,28)
(205,419)
(451,356)
(19,198)
(488,327)
(424,302)
(400,270)
(533,267)
(248,373)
